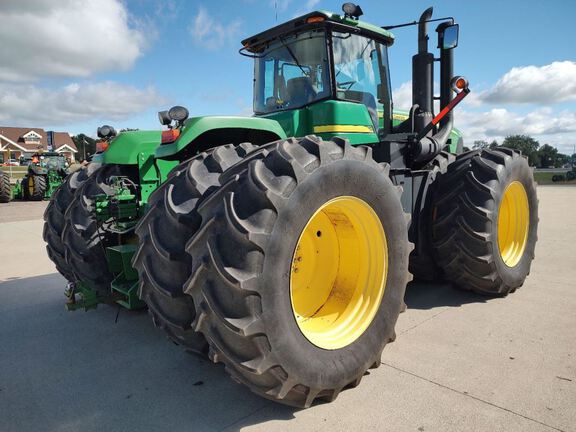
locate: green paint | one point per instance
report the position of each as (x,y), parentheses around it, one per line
(125,284)
(195,127)
(126,148)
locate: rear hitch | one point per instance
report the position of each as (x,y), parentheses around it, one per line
(79,296)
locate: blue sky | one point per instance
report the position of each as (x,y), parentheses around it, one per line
(119,62)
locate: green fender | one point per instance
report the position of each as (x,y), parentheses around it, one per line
(127,147)
(218,130)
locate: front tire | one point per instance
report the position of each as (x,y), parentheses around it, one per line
(260,315)
(161,260)
(486,221)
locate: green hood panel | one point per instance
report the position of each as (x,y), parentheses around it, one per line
(127,146)
(197,126)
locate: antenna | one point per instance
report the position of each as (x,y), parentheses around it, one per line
(276,11)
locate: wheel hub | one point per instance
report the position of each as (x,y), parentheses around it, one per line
(338,273)
(513,223)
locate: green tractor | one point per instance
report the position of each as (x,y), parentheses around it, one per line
(281,245)
(46,172)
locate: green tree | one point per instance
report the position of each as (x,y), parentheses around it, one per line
(480,144)
(526,144)
(494,144)
(85,145)
(547,156)
(561,160)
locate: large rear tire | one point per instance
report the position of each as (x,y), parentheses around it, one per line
(54,218)
(5,190)
(84,237)
(161,260)
(308,211)
(485,221)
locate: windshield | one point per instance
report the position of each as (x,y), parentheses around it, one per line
(292,72)
(361,73)
(53,162)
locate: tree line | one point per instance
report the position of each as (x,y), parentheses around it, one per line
(545,156)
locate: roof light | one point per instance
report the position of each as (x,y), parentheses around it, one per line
(315,19)
(352,11)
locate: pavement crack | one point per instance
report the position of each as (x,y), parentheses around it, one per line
(243,417)
(472,397)
(422,322)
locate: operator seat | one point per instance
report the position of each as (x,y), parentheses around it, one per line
(300,91)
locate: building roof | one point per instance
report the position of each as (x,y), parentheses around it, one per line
(14,137)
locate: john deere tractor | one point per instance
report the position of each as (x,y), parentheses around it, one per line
(281,244)
(46,171)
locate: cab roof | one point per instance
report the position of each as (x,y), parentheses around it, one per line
(331,19)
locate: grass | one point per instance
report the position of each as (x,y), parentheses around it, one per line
(545,178)
(15,172)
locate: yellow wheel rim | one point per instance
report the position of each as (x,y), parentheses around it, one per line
(513,223)
(338,273)
(30,185)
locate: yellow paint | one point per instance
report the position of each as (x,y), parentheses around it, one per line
(343,129)
(399,117)
(338,273)
(513,223)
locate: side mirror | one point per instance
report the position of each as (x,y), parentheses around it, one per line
(448,37)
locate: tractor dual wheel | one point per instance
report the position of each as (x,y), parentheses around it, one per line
(54,217)
(33,187)
(5,190)
(299,269)
(485,221)
(85,238)
(161,260)
(422,263)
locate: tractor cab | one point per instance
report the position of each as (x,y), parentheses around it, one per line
(318,59)
(50,161)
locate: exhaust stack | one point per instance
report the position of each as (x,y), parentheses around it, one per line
(423,76)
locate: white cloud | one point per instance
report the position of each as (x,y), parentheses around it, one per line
(28,104)
(546,125)
(402,96)
(311,4)
(547,84)
(211,34)
(67,38)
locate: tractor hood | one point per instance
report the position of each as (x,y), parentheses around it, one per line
(125,148)
(200,133)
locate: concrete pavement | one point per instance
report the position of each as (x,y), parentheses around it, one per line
(460,362)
